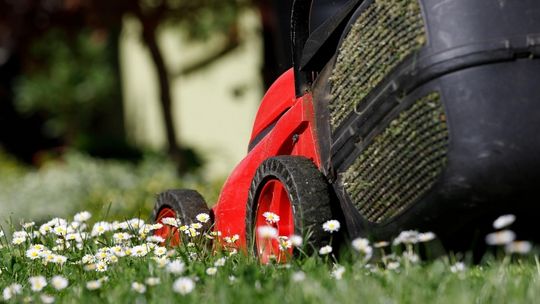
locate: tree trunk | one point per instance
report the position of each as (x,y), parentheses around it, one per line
(174,150)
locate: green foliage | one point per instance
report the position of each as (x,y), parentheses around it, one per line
(68,79)
(113,188)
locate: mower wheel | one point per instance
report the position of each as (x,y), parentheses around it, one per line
(182,204)
(292,188)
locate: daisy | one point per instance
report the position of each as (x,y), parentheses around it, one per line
(203,217)
(267,232)
(93,285)
(504,221)
(159,251)
(139,251)
(101,266)
(138,287)
(325,250)
(59,282)
(298,276)
(152,281)
(407,237)
(82,216)
(337,272)
(196,226)
(502,237)
(176,267)
(171,221)
(155,239)
(220,262)
(521,247)
(271,217)
(59,259)
(426,236)
(100,228)
(11,290)
(457,267)
(37,283)
(18,240)
(183,285)
(121,237)
(33,253)
(28,225)
(331,226)
(284,243)
(211,271)
(47,299)
(296,240)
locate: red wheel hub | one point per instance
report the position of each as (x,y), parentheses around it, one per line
(273,198)
(170,234)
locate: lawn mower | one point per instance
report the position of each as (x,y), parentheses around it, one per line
(396,115)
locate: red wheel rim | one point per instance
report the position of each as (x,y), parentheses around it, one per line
(273,198)
(170,234)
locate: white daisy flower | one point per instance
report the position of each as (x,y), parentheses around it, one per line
(211,271)
(152,281)
(138,287)
(88,258)
(59,259)
(337,272)
(159,251)
(82,216)
(121,237)
(28,225)
(407,237)
(362,245)
(196,226)
(18,240)
(298,276)
(37,283)
(93,285)
(331,226)
(392,265)
(220,262)
(12,290)
(155,239)
(161,261)
(100,228)
(59,282)
(183,285)
(504,221)
(325,250)
(502,237)
(271,217)
(203,217)
(267,232)
(60,230)
(176,267)
(521,247)
(46,299)
(2,233)
(426,236)
(411,257)
(296,240)
(101,266)
(45,228)
(284,243)
(33,253)
(135,223)
(171,221)
(139,251)
(457,267)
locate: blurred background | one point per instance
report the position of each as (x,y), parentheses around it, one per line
(103,103)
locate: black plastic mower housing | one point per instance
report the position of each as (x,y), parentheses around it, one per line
(435,127)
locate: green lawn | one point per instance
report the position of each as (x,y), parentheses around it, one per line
(129,269)
(109,274)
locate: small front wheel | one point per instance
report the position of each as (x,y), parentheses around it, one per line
(184,205)
(292,188)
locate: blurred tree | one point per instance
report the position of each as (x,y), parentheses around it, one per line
(82,82)
(199,19)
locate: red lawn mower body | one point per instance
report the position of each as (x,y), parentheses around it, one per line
(286,125)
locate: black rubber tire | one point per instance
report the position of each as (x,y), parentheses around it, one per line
(186,203)
(309,194)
